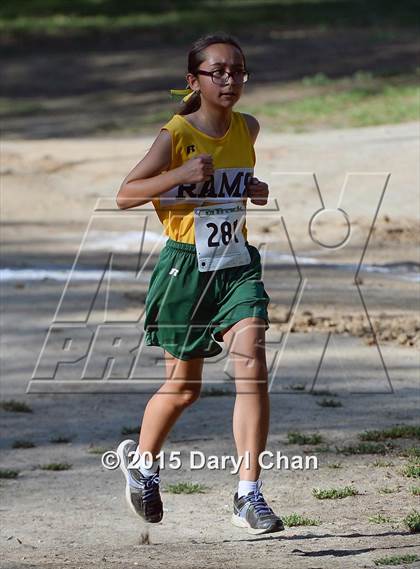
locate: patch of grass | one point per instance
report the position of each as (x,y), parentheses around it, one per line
(295,520)
(380,519)
(365,448)
(60,439)
(186,488)
(343,103)
(139,123)
(56,466)
(8,473)
(130,429)
(329,403)
(396,432)
(23,444)
(382,463)
(411,470)
(415,490)
(55,16)
(296,438)
(14,406)
(412,521)
(335,465)
(298,386)
(396,560)
(413,453)
(316,80)
(324,448)
(97,450)
(156,117)
(334,493)
(16,107)
(388,490)
(215,392)
(60,24)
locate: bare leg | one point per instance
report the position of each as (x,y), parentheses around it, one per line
(181,388)
(251,415)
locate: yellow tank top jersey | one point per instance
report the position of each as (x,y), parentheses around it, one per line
(233,160)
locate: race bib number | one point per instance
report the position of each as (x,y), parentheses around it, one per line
(219,240)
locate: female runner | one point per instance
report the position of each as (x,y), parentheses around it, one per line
(206,287)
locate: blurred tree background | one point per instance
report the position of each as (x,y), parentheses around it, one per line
(60,16)
(104,67)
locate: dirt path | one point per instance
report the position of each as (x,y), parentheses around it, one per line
(78,517)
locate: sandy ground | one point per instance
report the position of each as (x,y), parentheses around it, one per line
(58,202)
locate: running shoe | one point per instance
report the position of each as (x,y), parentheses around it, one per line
(141,492)
(252,512)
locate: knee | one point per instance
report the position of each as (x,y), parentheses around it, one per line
(182,394)
(187,398)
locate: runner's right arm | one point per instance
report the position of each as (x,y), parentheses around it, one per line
(150,178)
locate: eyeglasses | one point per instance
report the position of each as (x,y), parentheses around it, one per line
(221,77)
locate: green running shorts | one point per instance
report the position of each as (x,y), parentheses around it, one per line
(187,309)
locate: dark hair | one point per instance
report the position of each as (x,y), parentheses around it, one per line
(196,57)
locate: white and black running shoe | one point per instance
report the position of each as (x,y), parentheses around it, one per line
(141,492)
(252,512)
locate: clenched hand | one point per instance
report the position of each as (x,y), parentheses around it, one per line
(197,169)
(257,191)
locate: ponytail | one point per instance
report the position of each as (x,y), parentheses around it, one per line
(191,105)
